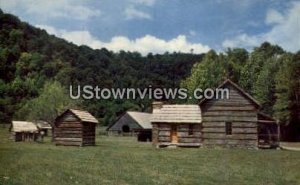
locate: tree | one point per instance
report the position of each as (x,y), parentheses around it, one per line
(254,65)
(287,89)
(52,101)
(206,74)
(287,105)
(264,86)
(235,60)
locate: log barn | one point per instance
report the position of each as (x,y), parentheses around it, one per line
(75,127)
(24,131)
(176,125)
(131,124)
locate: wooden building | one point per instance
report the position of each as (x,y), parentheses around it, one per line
(44,127)
(230,122)
(132,124)
(268,131)
(24,131)
(75,127)
(176,125)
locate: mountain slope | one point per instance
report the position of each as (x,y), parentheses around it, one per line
(30,56)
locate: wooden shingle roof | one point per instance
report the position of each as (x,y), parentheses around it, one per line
(142,118)
(43,125)
(177,114)
(23,126)
(84,116)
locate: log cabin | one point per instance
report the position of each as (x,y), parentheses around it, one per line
(131,124)
(230,122)
(176,125)
(75,127)
(24,131)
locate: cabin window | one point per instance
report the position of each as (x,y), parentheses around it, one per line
(191,129)
(228,127)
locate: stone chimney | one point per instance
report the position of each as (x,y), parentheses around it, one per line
(156,106)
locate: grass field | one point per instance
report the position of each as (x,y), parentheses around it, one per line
(118,160)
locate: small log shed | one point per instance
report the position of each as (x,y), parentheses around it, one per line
(44,126)
(24,131)
(75,127)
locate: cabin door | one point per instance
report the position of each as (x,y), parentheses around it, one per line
(174,137)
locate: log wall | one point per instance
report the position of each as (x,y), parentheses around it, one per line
(154,134)
(69,130)
(88,134)
(164,133)
(24,136)
(238,110)
(161,134)
(185,137)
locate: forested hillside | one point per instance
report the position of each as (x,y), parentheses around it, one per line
(36,67)
(30,58)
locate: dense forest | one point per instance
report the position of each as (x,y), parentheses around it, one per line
(33,62)
(36,70)
(268,73)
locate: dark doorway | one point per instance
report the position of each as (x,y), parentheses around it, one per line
(125,128)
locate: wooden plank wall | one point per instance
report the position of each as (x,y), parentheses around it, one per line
(88,134)
(185,138)
(161,134)
(155,134)
(164,133)
(238,110)
(68,131)
(24,136)
(124,120)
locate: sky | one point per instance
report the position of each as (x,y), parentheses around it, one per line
(160,26)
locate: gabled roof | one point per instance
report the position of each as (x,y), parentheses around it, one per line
(82,115)
(238,88)
(177,114)
(43,125)
(23,126)
(142,118)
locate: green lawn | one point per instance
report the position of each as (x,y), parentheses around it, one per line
(118,160)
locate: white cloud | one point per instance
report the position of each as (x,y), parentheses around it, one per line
(243,41)
(58,8)
(144,45)
(274,16)
(51,30)
(144,2)
(285,31)
(132,13)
